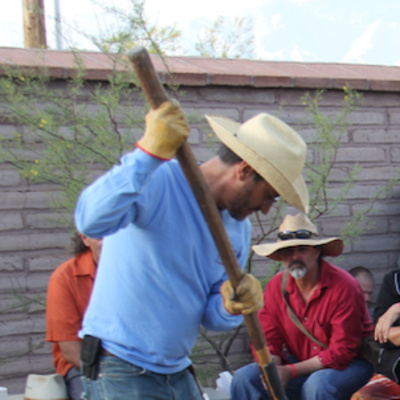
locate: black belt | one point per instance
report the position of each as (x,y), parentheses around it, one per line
(105,352)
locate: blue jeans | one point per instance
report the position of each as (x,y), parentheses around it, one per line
(325,384)
(120,380)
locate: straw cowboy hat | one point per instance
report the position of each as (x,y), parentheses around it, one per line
(273,149)
(45,387)
(298,230)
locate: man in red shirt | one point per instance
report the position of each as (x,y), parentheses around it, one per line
(68,295)
(321,362)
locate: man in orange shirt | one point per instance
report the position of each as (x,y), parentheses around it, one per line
(68,295)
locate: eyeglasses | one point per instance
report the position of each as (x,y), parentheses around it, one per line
(300,234)
(270,200)
(271,196)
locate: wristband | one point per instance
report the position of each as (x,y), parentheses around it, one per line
(293,370)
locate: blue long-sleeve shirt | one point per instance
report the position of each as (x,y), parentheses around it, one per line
(159,273)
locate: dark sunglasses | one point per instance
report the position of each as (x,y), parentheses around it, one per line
(300,234)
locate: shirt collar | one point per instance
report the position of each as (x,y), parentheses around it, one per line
(84,265)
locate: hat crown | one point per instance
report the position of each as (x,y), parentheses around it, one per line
(275,141)
(293,223)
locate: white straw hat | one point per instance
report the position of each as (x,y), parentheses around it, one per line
(45,387)
(298,230)
(272,148)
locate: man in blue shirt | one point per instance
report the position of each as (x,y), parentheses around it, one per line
(160,276)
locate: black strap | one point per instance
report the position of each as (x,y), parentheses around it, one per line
(193,372)
(293,316)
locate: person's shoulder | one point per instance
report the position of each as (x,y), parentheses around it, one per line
(65,269)
(334,269)
(393,274)
(392,278)
(341,276)
(276,280)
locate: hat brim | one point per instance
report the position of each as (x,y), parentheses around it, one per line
(294,192)
(331,247)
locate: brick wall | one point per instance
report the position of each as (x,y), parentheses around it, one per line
(33,243)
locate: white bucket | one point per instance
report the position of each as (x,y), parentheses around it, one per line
(3,393)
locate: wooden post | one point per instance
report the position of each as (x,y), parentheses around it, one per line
(34,24)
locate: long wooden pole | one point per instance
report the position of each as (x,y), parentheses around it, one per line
(34,24)
(156,95)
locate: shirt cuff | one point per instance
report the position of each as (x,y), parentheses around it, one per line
(138,155)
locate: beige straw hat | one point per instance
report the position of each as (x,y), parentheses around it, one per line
(45,387)
(298,230)
(272,148)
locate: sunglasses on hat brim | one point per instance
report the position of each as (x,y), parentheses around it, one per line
(299,234)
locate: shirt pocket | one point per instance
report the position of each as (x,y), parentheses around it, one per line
(320,332)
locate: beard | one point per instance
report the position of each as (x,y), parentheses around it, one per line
(240,207)
(297,269)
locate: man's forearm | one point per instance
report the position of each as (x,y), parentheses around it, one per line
(308,366)
(277,360)
(71,352)
(302,368)
(394,335)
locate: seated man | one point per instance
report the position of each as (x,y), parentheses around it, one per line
(323,362)
(387,310)
(68,294)
(387,331)
(366,280)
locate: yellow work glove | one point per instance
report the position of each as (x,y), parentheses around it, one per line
(246,299)
(166,130)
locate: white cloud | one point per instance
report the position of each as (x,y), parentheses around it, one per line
(278,55)
(295,54)
(176,10)
(299,1)
(362,44)
(276,22)
(264,26)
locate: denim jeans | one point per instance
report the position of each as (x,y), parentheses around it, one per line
(120,380)
(325,384)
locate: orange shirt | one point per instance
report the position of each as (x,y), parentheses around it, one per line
(68,295)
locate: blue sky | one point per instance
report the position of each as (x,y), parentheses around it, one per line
(338,31)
